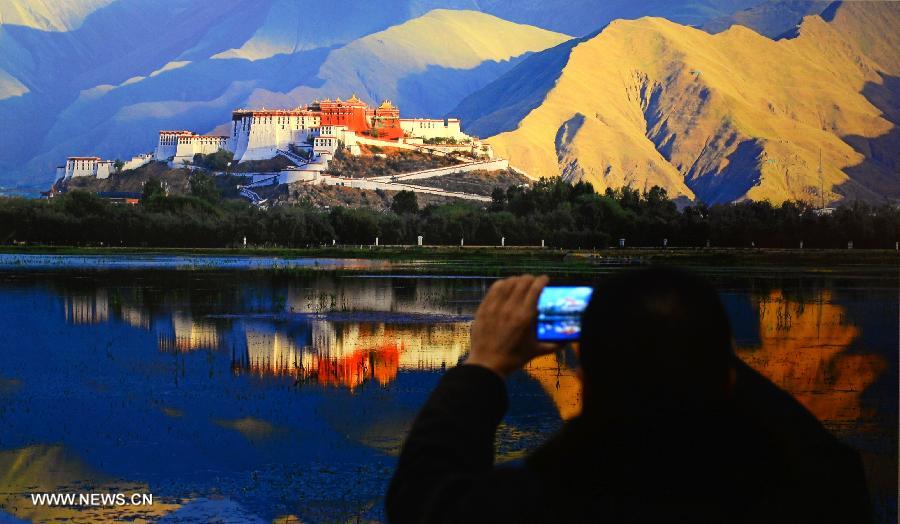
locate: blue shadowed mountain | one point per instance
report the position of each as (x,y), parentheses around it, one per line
(81,77)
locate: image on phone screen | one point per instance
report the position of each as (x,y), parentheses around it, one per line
(559,312)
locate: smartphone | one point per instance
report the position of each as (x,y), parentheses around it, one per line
(559,312)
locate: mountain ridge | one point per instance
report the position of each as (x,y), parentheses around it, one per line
(717,117)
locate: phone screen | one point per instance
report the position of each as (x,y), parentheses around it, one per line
(559,312)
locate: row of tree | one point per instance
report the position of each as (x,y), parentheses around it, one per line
(557,213)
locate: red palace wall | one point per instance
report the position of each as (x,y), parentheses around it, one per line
(382,122)
(342,114)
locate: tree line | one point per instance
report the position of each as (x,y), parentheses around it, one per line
(555,212)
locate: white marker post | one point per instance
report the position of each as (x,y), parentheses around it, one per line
(420,240)
(502,241)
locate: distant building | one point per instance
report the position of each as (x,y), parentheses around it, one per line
(321,128)
(94,166)
(257,134)
(167,145)
(181,146)
(429,128)
(137,161)
(78,166)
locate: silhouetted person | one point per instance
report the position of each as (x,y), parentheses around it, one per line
(674,428)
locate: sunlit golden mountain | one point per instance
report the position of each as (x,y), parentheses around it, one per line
(718,117)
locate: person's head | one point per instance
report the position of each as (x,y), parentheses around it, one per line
(655,341)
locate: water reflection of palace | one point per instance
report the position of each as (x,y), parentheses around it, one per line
(349,353)
(380,329)
(182,332)
(86,308)
(802,343)
(431,297)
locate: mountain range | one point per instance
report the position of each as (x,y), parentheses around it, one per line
(715,117)
(713,99)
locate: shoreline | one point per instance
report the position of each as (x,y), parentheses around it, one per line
(724,257)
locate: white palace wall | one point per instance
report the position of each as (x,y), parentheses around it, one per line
(137,161)
(432,128)
(77,166)
(190,145)
(257,137)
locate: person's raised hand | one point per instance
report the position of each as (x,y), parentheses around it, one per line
(503,333)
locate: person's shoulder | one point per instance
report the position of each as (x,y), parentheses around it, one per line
(759,400)
(510,493)
(786,424)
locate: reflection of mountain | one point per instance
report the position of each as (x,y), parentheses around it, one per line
(50,469)
(560,382)
(803,349)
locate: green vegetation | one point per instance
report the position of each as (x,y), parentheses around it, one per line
(562,215)
(405,202)
(203,186)
(446,140)
(153,188)
(218,161)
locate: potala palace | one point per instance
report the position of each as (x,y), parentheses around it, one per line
(308,136)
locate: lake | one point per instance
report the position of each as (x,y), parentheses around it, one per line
(239,391)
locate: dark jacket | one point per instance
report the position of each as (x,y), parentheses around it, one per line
(763,459)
